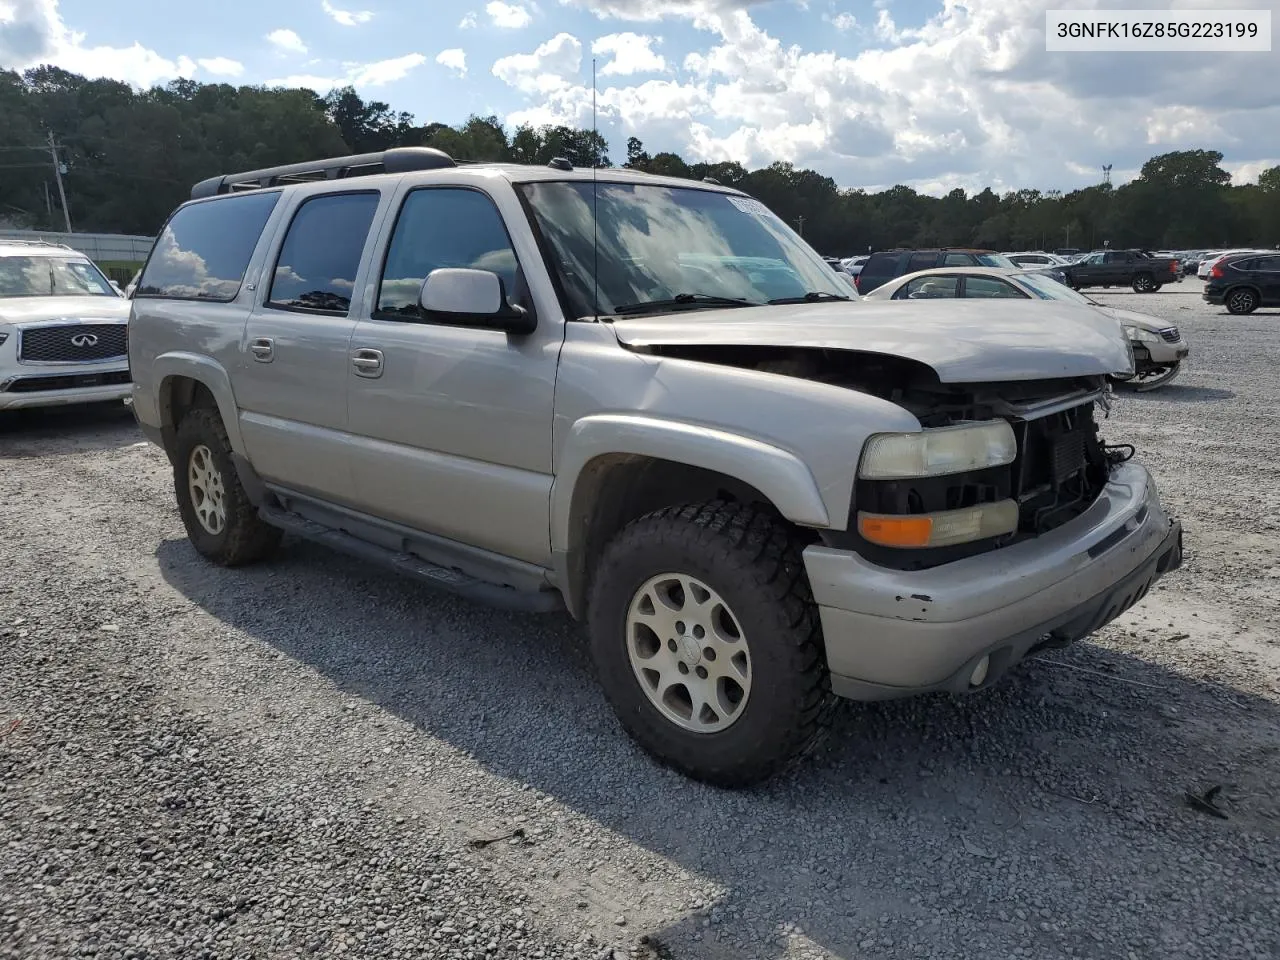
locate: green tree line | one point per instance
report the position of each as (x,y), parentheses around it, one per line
(131,155)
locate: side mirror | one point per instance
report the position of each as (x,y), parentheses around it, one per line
(472,298)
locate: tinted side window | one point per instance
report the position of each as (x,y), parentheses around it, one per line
(1270,264)
(957,260)
(929,288)
(204,250)
(443,227)
(880,265)
(989,287)
(921,261)
(316,269)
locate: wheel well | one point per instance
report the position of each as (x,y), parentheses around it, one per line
(1252,288)
(178,397)
(615,489)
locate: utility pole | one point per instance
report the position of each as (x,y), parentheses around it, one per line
(57,172)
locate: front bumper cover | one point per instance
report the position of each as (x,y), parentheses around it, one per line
(893,634)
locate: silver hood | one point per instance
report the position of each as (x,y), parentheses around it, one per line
(72,309)
(964,341)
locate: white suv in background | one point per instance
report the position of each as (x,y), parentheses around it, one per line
(63,329)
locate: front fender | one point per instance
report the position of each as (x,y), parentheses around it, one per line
(776,473)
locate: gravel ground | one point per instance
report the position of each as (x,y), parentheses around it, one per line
(312,758)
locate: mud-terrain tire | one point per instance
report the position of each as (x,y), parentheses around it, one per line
(717,568)
(221,523)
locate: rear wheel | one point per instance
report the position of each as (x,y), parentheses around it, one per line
(1145,283)
(221,522)
(1241,300)
(707,641)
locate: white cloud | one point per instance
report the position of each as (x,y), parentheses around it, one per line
(544,71)
(454,59)
(508,16)
(651,10)
(384,71)
(32,32)
(843,22)
(632,53)
(358,75)
(221,66)
(286,41)
(1242,173)
(347,18)
(468,22)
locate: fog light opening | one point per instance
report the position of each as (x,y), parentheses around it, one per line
(979,675)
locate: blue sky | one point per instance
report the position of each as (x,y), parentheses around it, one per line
(934,93)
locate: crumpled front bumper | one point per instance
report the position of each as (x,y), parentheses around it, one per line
(892,633)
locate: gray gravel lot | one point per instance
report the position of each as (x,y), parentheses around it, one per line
(310,757)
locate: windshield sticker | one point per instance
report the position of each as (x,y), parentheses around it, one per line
(752,206)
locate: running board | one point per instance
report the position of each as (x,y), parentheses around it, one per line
(454,581)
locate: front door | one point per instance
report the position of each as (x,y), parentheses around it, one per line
(291,387)
(451,425)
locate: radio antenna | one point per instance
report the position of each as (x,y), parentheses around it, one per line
(595,199)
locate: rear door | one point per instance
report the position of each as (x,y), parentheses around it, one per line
(292,381)
(1266,270)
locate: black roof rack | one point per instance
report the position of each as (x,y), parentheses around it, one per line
(395,160)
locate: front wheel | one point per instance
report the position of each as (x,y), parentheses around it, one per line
(707,642)
(1241,301)
(221,522)
(1144,283)
(1151,379)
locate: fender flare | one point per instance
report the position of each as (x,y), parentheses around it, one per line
(206,371)
(775,472)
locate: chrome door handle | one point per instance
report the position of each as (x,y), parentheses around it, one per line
(263,349)
(368,363)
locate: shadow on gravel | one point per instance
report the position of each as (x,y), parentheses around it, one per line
(948,815)
(1182,393)
(51,431)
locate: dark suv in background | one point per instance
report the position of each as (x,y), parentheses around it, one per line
(1244,282)
(888,264)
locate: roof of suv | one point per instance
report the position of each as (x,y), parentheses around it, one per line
(374,167)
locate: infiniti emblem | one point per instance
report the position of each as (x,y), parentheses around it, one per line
(84,340)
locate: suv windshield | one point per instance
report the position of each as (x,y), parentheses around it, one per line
(671,248)
(51,277)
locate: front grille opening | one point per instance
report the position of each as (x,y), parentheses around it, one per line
(74,343)
(72,381)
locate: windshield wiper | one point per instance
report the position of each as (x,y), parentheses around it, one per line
(682,300)
(813,296)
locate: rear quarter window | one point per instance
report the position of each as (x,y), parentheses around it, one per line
(204,249)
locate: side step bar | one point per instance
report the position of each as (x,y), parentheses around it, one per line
(481,591)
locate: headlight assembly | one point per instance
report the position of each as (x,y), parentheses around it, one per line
(939,451)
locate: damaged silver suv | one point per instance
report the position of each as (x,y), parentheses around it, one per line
(648,402)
